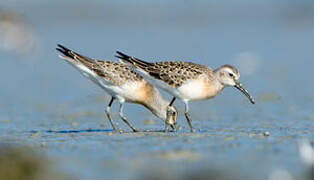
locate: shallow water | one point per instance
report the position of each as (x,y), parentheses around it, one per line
(48,105)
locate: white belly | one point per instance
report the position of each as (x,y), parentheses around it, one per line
(192,90)
(112,90)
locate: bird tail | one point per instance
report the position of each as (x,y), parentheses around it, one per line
(72,56)
(132,60)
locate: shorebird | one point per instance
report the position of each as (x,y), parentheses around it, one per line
(122,84)
(187,81)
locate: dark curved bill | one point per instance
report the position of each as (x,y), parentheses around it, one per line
(244,91)
(173,126)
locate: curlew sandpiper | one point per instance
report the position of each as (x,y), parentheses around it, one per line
(187,81)
(123,84)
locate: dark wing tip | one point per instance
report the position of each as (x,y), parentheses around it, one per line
(60,50)
(117,56)
(62,47)
(122,55)
(65,51)
(119,52)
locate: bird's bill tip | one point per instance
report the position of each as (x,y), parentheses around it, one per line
(240,87)
(173,126)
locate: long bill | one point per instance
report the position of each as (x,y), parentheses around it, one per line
(244,91)
(174,126)
(171,114)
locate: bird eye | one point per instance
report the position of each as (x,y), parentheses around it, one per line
(230,74)
(174,113)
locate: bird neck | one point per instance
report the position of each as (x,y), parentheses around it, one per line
(156,103)
(217,78)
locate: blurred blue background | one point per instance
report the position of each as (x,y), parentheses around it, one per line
(270,42)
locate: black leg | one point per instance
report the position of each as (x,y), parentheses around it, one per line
(125,119)
(167,123)
(172,101)
(109,116)
(187,116)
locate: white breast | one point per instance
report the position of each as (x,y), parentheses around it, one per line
(192,90)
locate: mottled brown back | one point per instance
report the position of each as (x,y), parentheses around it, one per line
(114,73)
(175,73)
